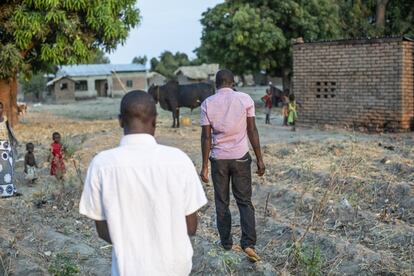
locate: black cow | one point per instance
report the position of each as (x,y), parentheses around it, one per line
(277,95)
(172,96)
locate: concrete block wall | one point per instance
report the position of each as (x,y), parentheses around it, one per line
(355,83)
(139,82)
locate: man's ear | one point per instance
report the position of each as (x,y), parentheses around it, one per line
(121,123)
(154,121)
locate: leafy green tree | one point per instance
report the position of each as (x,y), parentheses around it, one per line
(250,36)
(367,18)
(169,62)
(99,58)
(34,85)
(36,33)
(140,60)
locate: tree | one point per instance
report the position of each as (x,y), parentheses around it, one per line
(251,36)
(34,85)
(140,60)
(36,33)
(169,62)
(368,18)
(380,13)
(100,58)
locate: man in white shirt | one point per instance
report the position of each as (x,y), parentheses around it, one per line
(144,197)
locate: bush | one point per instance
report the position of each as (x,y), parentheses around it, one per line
(63,265)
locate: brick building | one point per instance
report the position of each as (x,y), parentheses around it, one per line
(60,90)
(356,83)
(105,80)
(196,74)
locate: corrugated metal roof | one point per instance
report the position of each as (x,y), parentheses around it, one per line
(98,69)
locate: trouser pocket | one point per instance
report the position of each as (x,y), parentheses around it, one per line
(245,159)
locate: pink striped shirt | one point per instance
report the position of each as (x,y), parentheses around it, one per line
(227,112)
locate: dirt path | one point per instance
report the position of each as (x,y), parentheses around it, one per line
(331,202)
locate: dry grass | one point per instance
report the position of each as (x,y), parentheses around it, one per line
(323,206)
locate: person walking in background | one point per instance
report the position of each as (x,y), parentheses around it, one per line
(144,197)
(228,123)
(292,112)
(267,99)
(57,165)
(8,144)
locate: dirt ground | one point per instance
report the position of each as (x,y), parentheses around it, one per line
(331,202)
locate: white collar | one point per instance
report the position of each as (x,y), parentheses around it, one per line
(138,139)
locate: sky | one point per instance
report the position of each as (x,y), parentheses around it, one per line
(166,25)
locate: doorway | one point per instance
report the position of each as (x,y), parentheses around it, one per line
(101,87)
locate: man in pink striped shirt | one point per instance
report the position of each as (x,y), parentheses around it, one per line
(228,124)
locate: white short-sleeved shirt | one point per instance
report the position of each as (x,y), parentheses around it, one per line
(144,191)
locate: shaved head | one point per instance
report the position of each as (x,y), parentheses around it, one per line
(224,78)
(137,112)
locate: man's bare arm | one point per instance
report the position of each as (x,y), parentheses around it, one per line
(253,135)
(205,151)
(192,222)
(103,231)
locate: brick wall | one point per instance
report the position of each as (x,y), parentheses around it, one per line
(64,91)
(407,85)
(355,83)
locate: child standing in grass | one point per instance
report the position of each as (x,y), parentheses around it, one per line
(30,165)
(57,165)
(267,99)
(292,112)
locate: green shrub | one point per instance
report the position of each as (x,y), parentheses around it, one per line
(309,259)
(63,265)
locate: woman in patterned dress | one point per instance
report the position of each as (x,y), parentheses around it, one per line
(8,143)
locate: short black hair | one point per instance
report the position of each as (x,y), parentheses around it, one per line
(1,104)
(137,104)
(291,97)
(55,134)
(224,77)
(30,144)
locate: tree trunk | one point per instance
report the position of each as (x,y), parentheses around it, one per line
(380,13)
(243,79)
(286,79)
(8,96)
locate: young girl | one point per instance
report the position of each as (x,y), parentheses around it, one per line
(57,166)
(8,145)
(30,165)
(267,99)
(292,112)
(285,111)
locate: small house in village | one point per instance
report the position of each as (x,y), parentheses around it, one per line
(61,90)
(357,83)
(196,74)
(104,80)
(155,78)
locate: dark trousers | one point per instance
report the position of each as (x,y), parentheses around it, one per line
(239,172)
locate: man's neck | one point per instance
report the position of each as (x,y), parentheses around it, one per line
(225,87)
(140,131)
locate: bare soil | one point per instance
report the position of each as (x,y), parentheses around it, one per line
(331,202)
